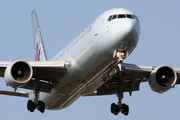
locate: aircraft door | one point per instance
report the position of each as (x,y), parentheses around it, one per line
(96,27)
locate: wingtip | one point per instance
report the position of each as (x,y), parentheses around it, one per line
(33,11)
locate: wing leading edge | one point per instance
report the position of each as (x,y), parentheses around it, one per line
(129,80)
(45,72)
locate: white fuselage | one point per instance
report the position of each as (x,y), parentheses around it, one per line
(91,55)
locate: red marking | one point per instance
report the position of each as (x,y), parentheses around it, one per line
(37,55)
(89,26)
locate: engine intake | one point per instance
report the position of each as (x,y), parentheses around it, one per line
(162,79)
(18,74)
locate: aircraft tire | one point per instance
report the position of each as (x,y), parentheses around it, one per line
(114,109)
(41,106)
(30,105)
(126,109)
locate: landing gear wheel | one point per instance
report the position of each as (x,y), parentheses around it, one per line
(31,106)
(125,109)
(114,109)
(41,106)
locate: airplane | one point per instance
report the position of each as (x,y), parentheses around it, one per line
(91,64)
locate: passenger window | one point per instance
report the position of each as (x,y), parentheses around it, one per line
(121,16)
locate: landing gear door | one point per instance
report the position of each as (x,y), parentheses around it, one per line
(96,27)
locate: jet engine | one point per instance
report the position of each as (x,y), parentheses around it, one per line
(18,74)
(162,79)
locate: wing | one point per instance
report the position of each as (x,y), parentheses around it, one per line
(41,74)
(46,73)
(130,78)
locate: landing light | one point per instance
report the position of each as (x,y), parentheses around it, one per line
(120,54)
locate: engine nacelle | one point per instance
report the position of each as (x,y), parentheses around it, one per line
(162,79)
(18,74)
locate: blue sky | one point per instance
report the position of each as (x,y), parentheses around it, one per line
(61,21)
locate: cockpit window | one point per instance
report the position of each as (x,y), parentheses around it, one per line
(135,18)
(114,17)
(120,16)
(109,19)
(130,16)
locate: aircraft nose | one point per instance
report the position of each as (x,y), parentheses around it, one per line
(130,26)
(127,35)
(131,31)
(121,34)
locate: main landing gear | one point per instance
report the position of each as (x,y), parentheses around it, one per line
(34,101)
(31,106)
(123,108)
(119,107)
